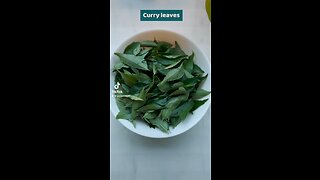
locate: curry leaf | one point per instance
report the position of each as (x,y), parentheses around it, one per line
(133,61)
(197,71)
(200,93)
(177,85)
(135,98)
(128,78)
(164,86)
(188,75)
(188,64)
(162,125)
(179,91)
(159,67)
(181,112)
(161,101)
(148,44)
(185,109)
(172,104)
(176,50)
(133,48)
(121,103)
(173,56)
(149,115)
(163,46)
(144,78)
(198,104)
(144,52)
(120,65)
(191,82)
(173,74)
(148,107)
(165,61)
(123,115)
(176,63)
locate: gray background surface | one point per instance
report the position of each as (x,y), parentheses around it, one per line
(183,157)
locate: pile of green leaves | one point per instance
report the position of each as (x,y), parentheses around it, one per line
(159,84)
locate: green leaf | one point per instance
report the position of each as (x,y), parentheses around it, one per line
(200,81)
(133,48)
(174,121)
(134,70)
(121,103)
(119,66)
(165,61)
(149,115)
(164,86)
(118,78)
(177,85)
(203,78)
(148,107)
(128,78)
(191,82)
(148,88)
(137,104)
(197,103)
(176,63)
(126,102)
(124,112)
(125,88)
(162,125)
(188,64)
(188,75)
(171,56)
(144,78)
(181,112)
(163,46)
(148,44)
(176,50)
(173,103)
(143,93)
(179,91)
(135,98)
(184,109)
(166,113)
(161,101)
(144,52)
(133,123)
(197,71)
(123,115)
(155,93)
(174,74)
(136,89)
(161,68)
(133,61)
(190,89)
(200,93)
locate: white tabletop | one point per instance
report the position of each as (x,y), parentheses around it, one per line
(183,157)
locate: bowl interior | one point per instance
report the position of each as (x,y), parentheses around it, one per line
(200,59)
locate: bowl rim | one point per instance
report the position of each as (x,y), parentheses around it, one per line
(199,49)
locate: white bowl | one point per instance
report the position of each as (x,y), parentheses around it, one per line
(200,59)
